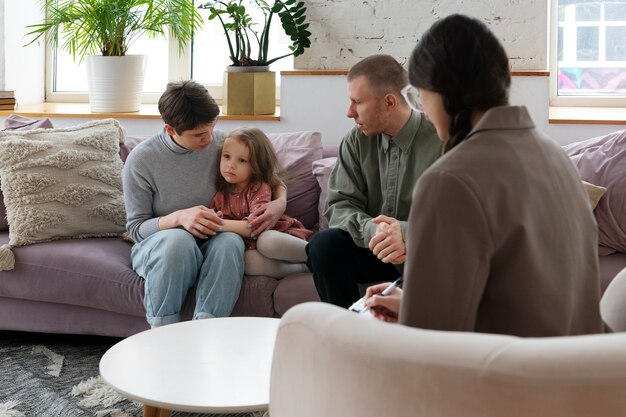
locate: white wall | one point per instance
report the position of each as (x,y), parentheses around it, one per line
(345,31)
(24,66)
(2,26)
(320,103)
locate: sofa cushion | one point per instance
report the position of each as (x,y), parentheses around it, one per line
(322,169)
(94,272)
(63,183)
(602,161)
(296,153)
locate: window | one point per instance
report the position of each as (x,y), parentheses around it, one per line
(589,66)
(204,61)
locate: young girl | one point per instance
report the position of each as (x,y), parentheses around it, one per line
(248,173)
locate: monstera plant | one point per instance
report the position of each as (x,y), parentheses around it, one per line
(242,34)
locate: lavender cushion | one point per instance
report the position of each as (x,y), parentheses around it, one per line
(4,225)
(322,169)
(16,122)
(296,153)
(129,144)
(602,161)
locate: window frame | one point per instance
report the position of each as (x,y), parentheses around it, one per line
(569,101)
(179,68)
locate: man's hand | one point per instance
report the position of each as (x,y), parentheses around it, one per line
(387,244)
(200,221)
(384,308)
(266,216)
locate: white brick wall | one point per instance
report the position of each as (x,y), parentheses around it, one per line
(345,31)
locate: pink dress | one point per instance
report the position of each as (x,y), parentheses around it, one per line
(238,206)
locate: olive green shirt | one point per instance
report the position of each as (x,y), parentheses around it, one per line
(375,175)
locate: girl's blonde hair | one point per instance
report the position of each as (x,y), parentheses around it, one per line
(263,159)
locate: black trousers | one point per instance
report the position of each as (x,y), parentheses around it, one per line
(339,265)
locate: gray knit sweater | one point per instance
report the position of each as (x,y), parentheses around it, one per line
(160,177)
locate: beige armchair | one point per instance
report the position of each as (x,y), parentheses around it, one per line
(331,362)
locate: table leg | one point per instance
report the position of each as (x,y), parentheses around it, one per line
(149,411)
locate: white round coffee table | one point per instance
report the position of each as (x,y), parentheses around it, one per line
(214,365)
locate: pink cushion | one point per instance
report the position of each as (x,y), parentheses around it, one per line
(602,161)
(296,153)
(322,169)
(16,122)
(129,144)
(4,225)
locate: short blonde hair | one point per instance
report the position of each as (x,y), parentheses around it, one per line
(384,74)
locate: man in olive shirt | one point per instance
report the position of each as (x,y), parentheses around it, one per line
(369,191)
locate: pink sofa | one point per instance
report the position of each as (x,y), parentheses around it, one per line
(87,286)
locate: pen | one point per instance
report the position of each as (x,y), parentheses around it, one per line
(359,305)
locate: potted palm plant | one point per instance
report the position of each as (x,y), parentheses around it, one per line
(101,31)
(249,86)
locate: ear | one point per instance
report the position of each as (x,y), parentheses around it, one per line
(391,101)
(170,130)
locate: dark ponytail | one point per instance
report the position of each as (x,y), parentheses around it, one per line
(461,59)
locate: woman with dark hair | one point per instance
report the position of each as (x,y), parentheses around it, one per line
(501,235)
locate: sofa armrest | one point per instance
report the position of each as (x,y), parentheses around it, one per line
(331,362)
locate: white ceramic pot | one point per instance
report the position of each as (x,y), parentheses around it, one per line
(115,83)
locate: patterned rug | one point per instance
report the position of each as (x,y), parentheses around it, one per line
(45,375)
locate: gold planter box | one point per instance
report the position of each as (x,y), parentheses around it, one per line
(251,93)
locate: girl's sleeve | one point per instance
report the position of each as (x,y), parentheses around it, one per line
(258,195)
(217,203)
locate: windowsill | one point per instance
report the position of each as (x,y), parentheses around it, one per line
(82,110)
(587,115)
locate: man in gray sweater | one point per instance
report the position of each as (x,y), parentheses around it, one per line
(169,182)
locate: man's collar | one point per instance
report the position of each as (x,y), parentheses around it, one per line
(405,136)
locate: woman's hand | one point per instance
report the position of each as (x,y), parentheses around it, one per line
(388,244)
(266,216)
(385,308)
(200,221)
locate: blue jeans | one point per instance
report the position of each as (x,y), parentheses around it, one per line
(172,261)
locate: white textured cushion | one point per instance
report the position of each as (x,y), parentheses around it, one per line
(595,193)
(63,183)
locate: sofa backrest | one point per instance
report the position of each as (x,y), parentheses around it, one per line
(296,151)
